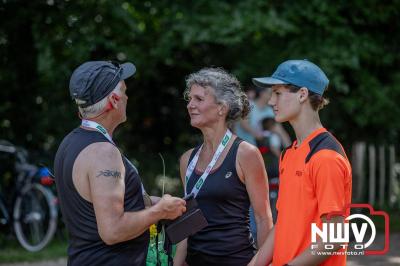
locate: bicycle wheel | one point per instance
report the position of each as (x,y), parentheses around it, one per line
(35,217)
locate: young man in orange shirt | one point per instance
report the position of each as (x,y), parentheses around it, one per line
(315,174)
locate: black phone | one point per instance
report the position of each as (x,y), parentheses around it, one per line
(188,224)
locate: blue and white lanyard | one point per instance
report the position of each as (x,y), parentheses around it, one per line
(102,130)
(203,177)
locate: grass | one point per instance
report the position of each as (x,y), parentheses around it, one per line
(11,251)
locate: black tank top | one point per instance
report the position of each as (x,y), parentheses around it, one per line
(85,245)
(225,203)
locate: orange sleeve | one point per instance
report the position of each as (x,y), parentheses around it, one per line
(329,174)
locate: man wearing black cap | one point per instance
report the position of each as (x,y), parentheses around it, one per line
(314,172)
(101,195)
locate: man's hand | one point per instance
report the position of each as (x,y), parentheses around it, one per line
(171,207)
(154,200)
(106,188)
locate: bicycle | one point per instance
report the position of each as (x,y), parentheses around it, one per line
(29,208)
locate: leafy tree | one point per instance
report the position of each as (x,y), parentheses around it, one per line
(41,42)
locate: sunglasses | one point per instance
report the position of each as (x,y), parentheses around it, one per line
(119,69)
(117,72)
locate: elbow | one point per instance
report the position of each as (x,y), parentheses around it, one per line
(110,241)
(109,237)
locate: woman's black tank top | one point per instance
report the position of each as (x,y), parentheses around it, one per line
(225,203)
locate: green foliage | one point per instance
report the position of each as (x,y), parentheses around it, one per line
(41,42)
(11,251)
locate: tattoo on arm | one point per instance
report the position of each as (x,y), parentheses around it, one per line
(110,173)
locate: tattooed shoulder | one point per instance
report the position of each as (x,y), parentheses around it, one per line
(109,173)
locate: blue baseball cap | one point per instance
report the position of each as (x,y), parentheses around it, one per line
(94,80)
(301,73)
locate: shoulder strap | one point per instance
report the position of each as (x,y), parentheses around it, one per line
(235,144)
(193,154)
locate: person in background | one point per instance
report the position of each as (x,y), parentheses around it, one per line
(270,140)
(225,174)
(315,174)
(250,130)
(100,192)
(251,93)
(270,147)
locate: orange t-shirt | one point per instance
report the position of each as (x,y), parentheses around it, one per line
(315,179)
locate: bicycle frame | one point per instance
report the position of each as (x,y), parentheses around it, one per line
(16,210)
(4,215)
(25,174)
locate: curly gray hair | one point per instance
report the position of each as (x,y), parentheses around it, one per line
(227,90)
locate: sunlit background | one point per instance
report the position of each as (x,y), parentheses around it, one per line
(355,42)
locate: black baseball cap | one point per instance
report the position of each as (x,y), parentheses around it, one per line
(94,80)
